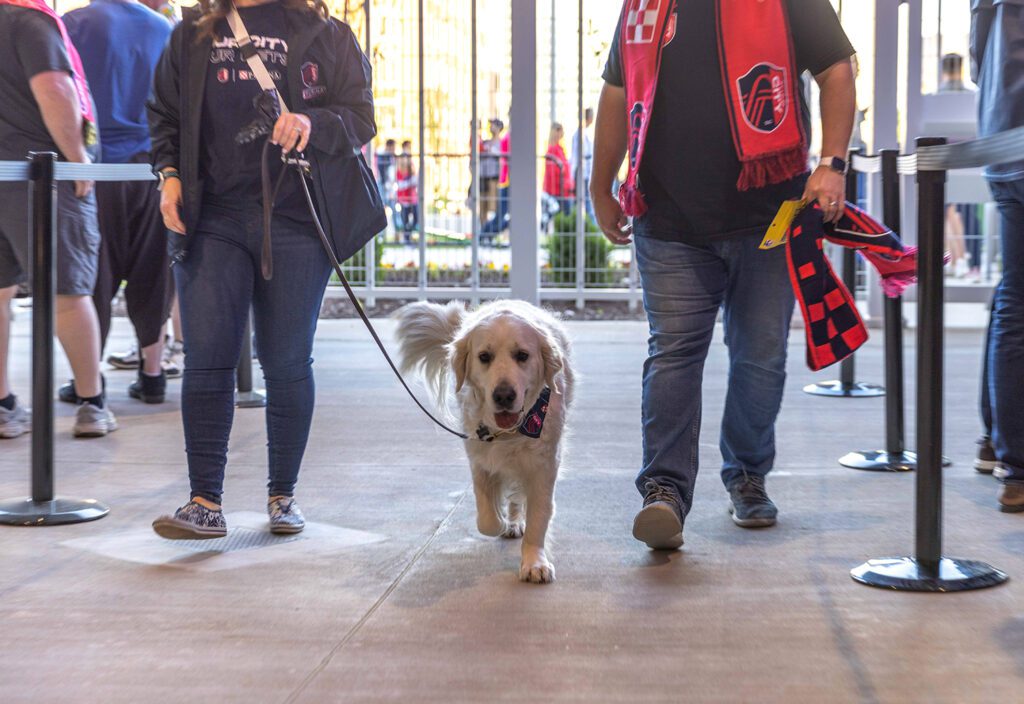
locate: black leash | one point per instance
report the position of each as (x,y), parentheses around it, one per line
(267,266)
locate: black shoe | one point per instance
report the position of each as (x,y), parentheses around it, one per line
(149,389)
(749,503)
(68,394)
(985,462)
(659,523)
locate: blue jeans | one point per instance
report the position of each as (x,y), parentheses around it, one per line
(684,287)
(1005,368)
(217,283)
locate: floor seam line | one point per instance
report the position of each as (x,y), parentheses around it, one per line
(377,604)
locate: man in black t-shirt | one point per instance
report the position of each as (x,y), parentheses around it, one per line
(40,111)
(697,247)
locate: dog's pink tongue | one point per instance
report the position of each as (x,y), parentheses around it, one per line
(506,420)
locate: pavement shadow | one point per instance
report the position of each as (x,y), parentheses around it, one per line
(1010,636)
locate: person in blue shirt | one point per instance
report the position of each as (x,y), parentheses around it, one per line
(120,42)
(997,58)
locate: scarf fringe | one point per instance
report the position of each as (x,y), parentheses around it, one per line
(631,200)
(772,168)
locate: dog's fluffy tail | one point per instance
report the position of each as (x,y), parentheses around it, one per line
(425,330)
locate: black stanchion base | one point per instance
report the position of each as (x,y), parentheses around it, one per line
(880,461)
(906,574)
(839,390)
(251,399)
(26,512)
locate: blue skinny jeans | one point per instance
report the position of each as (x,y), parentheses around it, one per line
(217,284)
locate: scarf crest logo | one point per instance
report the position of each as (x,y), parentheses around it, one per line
(764,94)
(636,120)
(642,21)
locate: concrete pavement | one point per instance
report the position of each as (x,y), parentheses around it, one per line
(393,596)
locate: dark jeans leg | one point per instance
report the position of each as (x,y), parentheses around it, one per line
(286,311)
(758,309)
(683,289)
(215,288)
(1006,351)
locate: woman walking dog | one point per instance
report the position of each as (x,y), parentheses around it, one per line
(210,117)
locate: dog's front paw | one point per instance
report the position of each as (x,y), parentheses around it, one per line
(514,530)
(537,571)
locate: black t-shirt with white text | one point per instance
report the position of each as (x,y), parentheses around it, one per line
(231,171)
(690,168)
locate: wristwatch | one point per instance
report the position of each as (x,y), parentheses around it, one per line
(835,163)
(162,177)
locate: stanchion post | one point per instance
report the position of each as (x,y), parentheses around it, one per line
(847,386)
(42,508)
(245,397)
(931,301)
(894,458)
(43,196)
(928,570)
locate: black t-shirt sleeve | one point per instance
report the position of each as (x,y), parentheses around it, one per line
(613,68)
(39,45)
(819,40)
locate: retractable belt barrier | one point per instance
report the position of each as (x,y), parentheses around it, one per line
(43,171)
(928,569)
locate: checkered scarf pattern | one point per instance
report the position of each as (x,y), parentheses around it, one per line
(832,323)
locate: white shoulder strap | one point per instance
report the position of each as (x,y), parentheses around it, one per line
(252,56)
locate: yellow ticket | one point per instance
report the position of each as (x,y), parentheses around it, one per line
(778,233)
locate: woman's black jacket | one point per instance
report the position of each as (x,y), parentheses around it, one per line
(328,80)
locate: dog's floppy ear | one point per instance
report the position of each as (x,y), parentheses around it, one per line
(460,360)
(552,354)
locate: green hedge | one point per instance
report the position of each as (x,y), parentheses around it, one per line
(561,248)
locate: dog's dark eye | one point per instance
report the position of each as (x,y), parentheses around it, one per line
(522,356)
(485,358)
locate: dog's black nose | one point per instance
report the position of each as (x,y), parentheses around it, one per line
(504,396)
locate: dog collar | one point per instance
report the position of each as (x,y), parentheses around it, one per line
(531,426)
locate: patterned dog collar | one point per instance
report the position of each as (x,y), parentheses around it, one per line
(531,426)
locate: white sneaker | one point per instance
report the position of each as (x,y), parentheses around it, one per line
(173,362)
(125,360)
(94,422)
(15,423)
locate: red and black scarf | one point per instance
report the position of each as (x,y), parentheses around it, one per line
(758,76)
(832,323)
(89,132)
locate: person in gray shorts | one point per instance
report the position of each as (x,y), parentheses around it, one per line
(46,109)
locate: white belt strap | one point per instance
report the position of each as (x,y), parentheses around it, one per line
(252,56)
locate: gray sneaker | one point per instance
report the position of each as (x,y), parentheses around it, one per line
(659,523)
(285,516)
(94,422)
(749,503)
(193,521)
(125,360)
(15,423)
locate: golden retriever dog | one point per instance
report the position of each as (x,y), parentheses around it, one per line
(513,385)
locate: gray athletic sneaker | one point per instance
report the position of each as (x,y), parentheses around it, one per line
(94,422)
(193,521)
(15,423)
(659,523)
(749,503)
(285,516)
